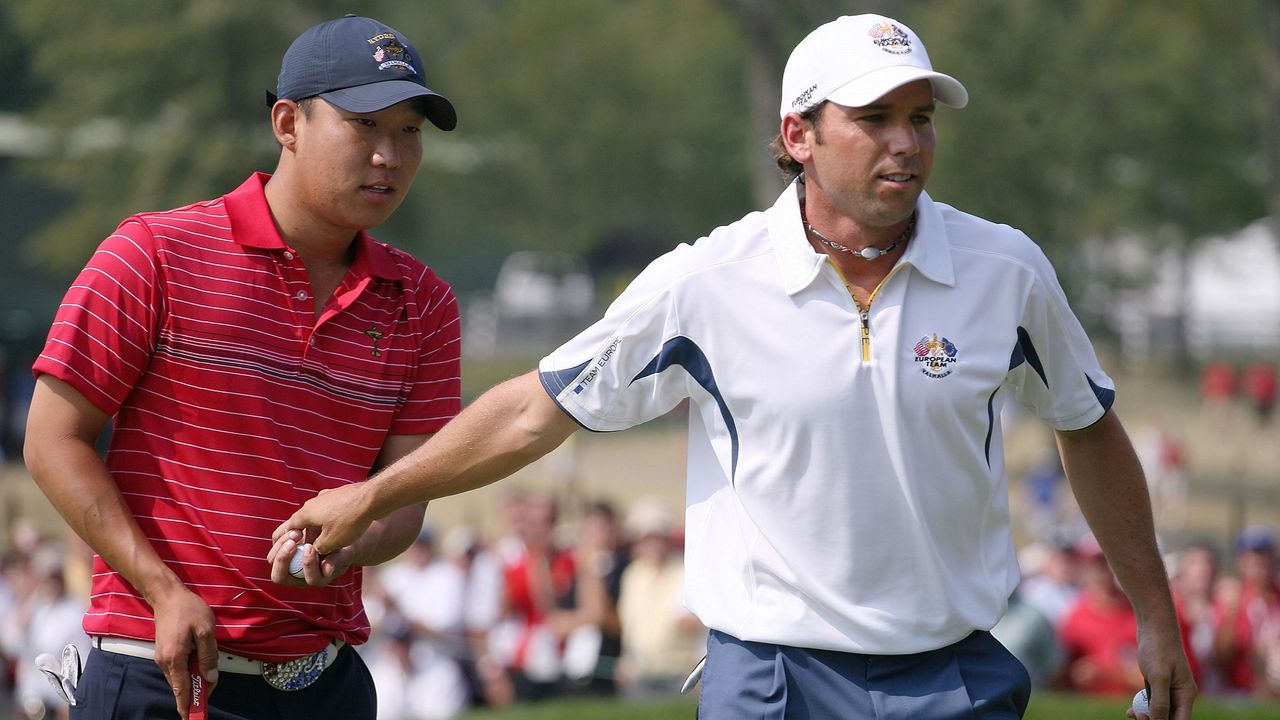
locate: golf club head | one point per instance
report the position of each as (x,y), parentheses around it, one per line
(49,667)
(71,666)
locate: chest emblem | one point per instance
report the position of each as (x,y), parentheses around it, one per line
(375,334)
(935,355)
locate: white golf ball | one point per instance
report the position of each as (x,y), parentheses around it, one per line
(295,562)
(1141,704)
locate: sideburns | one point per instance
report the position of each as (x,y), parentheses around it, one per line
(814,116)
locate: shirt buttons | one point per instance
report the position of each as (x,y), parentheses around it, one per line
(300,295)
(288,255)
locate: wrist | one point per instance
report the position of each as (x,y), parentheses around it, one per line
(1161,619)
(161,587)
(367,549)
(369,501)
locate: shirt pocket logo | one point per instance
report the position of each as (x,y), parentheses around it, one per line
(935,355)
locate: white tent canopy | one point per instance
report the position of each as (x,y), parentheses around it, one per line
(1231,294)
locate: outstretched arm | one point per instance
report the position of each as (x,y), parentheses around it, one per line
(507,428)
(1109,486)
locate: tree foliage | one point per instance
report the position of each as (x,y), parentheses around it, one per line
(1089,119)
(589,125)
(584,121)
(152,104)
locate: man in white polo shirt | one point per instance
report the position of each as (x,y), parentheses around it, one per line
(846,354)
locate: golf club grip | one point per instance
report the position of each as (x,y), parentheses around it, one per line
(198,709)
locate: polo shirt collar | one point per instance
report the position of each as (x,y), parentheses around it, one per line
(929,251)
(252,225)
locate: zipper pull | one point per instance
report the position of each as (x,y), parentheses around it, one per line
(865,316)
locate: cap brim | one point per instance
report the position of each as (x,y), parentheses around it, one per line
(378,96)
(874,85)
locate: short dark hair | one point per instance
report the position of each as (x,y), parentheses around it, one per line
(305,104)
(787,165)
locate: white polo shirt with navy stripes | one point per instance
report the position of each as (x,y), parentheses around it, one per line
(846,491)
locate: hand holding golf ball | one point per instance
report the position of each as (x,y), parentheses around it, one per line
(294,547)
(289,560)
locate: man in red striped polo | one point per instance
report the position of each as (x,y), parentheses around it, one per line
(251,351)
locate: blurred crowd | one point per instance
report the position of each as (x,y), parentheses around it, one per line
(44,590)
(460,620)
(584,598)
(1070,623)
(570,598)
(573,599)
(1074,629)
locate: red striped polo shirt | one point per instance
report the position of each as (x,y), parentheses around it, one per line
(196,329)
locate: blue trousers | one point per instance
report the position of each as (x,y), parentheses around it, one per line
(121,687)
(974,678)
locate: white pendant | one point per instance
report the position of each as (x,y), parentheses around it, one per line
(870,253)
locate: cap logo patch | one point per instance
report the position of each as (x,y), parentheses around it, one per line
(890,38)
(391,55)
(935,355)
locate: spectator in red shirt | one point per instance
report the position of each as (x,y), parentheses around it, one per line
(1245,607)
(251,351)
(1194,578)
(1100,633)
(539,581)
(1218,389)
(1218,381)
(1259,383)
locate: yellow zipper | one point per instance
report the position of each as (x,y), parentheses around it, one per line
(864,314)
(865,317)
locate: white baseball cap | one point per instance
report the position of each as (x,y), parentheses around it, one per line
(855,60)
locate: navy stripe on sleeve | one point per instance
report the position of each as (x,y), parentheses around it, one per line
(1025,351)
(1106,396)
(685,352)
(555,381)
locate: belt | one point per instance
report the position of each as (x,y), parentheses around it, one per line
(292,674)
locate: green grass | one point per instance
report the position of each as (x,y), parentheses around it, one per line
(1044,706)
(1058,706)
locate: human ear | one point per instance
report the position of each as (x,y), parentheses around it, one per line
(796,138)
(284,123)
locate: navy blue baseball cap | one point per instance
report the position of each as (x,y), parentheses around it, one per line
(361,66)
(1256,538)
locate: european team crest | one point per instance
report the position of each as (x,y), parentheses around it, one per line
(890,38)
(935,355)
